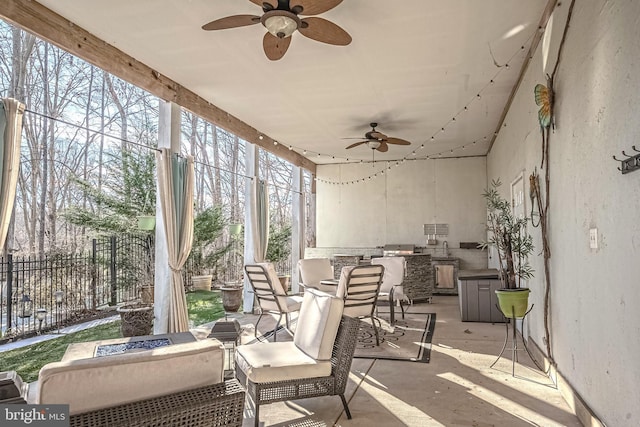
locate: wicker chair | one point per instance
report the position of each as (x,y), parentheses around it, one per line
(270,295)
(216,405)
(277,383)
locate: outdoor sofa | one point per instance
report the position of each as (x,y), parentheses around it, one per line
(175,385)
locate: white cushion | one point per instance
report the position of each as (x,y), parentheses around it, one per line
(102,382)
(278,361)
(288,304)
(342,283)
(394,272)
(313,270)
(318,324)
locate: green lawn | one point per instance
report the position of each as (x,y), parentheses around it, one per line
(203,307)
(27,361)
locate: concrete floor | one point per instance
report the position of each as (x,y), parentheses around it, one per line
(457,387)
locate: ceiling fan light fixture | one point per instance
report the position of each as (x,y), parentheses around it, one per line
(374,144)
(280,23)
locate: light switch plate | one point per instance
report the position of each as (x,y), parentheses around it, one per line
(593,238)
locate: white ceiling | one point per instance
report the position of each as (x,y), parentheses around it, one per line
(412,67)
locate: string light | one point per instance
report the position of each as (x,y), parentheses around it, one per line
(381,172)
(478,96)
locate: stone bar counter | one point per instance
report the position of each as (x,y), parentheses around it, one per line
(418,283)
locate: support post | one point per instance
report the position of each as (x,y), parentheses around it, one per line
(251,165)
(297,225)
(168,137)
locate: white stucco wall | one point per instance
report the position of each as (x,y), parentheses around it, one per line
(393,207)
(595,319)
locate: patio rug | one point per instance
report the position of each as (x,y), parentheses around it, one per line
(409,340)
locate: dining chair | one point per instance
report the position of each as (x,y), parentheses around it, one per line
(391,290)
(313,271)
(270,295)
(359,286)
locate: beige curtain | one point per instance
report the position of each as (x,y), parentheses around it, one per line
(11,112)
(175,186)
(260,219)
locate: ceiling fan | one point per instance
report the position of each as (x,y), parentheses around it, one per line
(281,19)
(378,141)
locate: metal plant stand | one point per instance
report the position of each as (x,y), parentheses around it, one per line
(514,342)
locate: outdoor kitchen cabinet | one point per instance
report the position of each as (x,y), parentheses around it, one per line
(477,296)
(445,275)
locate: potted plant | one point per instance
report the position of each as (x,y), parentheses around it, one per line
(508,234)
(146,218)
(136,319)
(208,226)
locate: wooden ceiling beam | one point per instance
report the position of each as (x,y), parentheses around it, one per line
(56,29)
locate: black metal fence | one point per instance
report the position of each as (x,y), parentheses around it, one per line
(42,293)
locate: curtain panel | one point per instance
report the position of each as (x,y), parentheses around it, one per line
(175,186)
(10,138)
(260,219)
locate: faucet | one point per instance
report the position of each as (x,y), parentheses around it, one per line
(445,248)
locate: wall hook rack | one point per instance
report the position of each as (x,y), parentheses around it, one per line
(631,163)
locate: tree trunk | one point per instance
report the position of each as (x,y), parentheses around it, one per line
(44,152)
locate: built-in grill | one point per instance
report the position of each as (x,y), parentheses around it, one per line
(395,249)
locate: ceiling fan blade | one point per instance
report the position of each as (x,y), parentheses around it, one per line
(275,47)
(397,141)
(383,148)
(313,7)
(232,22)
(272,3)
(356,144)
(324,31)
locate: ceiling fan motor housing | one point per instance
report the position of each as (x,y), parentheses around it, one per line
(280,23)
